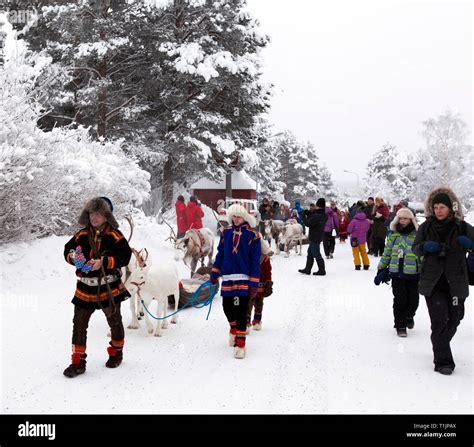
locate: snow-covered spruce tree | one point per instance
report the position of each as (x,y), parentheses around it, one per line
(261,163)
(45,177)
(385,175)
(207,87)
(326,185)
(300,168)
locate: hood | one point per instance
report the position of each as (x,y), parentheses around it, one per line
(457,206)
(403,212)
(360,215)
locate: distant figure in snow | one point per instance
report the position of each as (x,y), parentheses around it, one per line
(194,214)
(181,219)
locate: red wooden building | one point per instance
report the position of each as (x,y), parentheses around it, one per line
(212,193)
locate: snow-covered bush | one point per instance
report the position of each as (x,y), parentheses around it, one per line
(46,177)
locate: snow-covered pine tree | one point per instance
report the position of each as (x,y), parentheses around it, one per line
(300,169)
(326,185)
(96,59)
(207,88)
(260,161)
(385,177)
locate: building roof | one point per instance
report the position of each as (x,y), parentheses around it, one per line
(240,180)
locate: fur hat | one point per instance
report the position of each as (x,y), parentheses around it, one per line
(101,205)
(240,211)
(403,212)
(455,203)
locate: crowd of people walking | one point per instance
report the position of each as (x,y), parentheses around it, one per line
(435,259)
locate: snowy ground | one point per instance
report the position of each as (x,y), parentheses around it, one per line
(327,347)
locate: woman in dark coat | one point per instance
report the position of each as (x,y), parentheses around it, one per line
(442,240)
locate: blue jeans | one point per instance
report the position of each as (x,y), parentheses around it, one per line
(314,251)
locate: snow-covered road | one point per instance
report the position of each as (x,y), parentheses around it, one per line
(327,347)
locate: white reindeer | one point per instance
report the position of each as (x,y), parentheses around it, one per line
(153,282)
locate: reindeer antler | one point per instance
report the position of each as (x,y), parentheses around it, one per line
(218,221)
(173,234)
(130,221)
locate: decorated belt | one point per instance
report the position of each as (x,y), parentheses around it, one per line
(94,282)
(235,277)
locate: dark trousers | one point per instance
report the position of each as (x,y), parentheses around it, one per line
(81,323)
(314,251)
(446,313)
(329,243)
(235,309)
(256,303)
(369,239)
(405,300)
(378,245)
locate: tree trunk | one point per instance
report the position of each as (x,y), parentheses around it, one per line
(102,103)
(168,181)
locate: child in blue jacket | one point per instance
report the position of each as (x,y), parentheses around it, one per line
(238,262)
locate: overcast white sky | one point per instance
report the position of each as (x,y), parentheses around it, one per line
(352,75)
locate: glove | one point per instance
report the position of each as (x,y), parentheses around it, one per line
(383,275)
(466,242)
(431,247)
(268,288)
(253,293)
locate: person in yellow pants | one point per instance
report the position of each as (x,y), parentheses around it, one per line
(358,229)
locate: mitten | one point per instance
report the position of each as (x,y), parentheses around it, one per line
(466,242)
(431,247)
(79,258)
(268,288)
(214,279)
(383,275)
(378,277)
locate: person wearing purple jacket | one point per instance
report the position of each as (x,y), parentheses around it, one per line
(329,240)
(358,229)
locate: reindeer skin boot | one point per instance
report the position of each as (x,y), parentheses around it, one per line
(78,365)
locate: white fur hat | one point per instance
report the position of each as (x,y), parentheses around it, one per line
(403,212)
(240,211)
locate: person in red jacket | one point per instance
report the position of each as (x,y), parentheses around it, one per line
(265,288)
(343,224)
(194,214)
(181,219)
